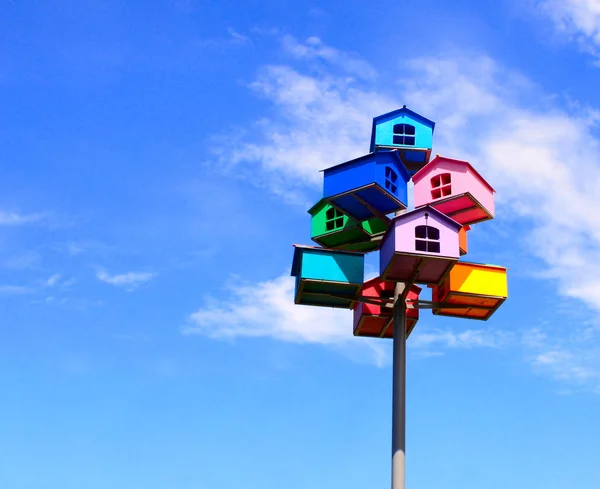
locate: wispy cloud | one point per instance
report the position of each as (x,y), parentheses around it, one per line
(129,280)
(236,37)
(267,309)
(314,49)
(14,289)
(436,339)
(23,260)
(16,219)
(57,280)
(531,149)
(579,19)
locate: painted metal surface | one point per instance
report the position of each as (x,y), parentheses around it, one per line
(368,187)
(480,288)
(373,320)
(331,228)
(327,278)
(406,255)
(407,132)
(463,244)
(455,188)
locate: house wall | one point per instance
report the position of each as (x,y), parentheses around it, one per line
(404,232)
(348,177)
(402,191)
(319,222)
(329,265)
(478,279)
(463,180)
(384,132)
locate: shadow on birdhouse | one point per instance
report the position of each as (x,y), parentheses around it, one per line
(480,288)
(420,246)
(368,187)
(331,228)
(407,132)
(455,188)
(328,278)
(376,320)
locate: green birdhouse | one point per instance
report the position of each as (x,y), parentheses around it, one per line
(331,228)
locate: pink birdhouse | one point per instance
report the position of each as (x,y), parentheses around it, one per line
(420,246)
(455,188)
(377,320)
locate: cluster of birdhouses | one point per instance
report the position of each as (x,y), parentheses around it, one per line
(364,209)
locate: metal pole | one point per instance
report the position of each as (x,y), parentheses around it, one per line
(399,391)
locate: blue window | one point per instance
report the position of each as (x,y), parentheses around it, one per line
(427,238)
(404,134)
(391,180)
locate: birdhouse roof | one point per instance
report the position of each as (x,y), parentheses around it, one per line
(298,254)
(317,207)
(440,159)
(403,111)
(427,208)
(377,281)
(382,155)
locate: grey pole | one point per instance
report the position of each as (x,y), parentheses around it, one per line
(399,391)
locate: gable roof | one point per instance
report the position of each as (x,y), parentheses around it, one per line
(396,112)
(431,210)
(298,254)
(406,111)
(429,166)
(313,210)
(381,154)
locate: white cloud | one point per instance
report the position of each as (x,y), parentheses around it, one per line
(23,260)
(14,289)
(314,49)
(542,158)
(432,338)
(579,19)
(129,281)
(15,219)
(236,37)
(267,309)
(53,280)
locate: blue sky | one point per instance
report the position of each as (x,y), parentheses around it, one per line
(157,162)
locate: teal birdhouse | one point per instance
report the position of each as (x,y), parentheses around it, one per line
(406,131)
(331,228)
(329,278)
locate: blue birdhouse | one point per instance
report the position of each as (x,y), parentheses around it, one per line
(406,131)
(370,186)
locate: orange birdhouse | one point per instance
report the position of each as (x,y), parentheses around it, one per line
(463,246)
(481,289)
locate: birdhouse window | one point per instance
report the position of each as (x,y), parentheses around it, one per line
(391,180)
(334,219)
(427,238)
(404,134)
(441,186)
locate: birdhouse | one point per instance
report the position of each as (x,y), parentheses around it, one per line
(406,131)
(455,188)
(377,320)
(331,228)
(368,187)
(328,278)
(480,288)
(420,246)
(462,240)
